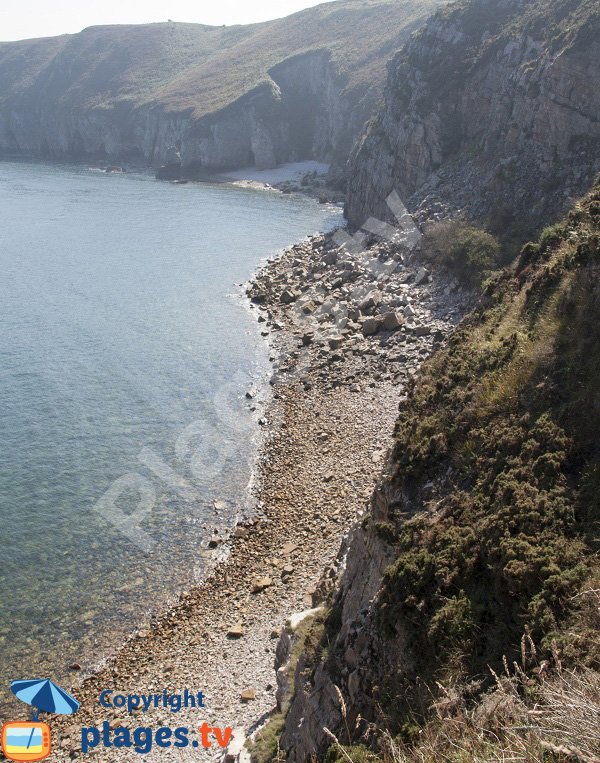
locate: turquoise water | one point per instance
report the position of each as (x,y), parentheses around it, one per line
(125,349)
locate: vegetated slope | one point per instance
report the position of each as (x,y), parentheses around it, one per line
(482,544)
(491,109)
(294,87)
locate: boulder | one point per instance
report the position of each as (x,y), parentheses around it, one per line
(370,326)
(369,303)
(309,308)
(422,330)
(261,583)
(392,321)
(422,276)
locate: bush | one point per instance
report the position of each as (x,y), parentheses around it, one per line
(471,253)
(496,469)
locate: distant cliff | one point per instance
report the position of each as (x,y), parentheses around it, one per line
(294,88)
(493,108)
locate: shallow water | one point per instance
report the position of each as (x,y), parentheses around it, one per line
(125,349)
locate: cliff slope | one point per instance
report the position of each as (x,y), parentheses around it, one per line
(481,549)
(492,110)
(293,88)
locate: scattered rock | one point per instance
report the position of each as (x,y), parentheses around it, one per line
(422,276)
(261,583)
(370,326)
(235,631)
(422,330)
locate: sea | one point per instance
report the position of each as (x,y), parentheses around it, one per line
(127,440)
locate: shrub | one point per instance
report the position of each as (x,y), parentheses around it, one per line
(497,469)
(471,253)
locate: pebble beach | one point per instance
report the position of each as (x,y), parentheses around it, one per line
(347,334)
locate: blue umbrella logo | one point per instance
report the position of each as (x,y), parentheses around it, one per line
(44,696)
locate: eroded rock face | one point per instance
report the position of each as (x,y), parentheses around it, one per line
(302,113)
(486,111)
(227,97)
(316,703)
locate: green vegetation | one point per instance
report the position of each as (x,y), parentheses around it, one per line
(490,614)
(265,748)
(309,641)
(560,24)
(487,644)
(504,422)
(355,753)
(201,69)
(469,252)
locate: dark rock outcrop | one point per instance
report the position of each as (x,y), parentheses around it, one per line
(171,169)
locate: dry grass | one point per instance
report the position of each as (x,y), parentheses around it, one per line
(555,718)
(543,715)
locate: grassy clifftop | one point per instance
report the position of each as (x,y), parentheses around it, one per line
(201,69)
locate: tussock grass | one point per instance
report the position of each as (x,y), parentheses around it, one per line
(554,719)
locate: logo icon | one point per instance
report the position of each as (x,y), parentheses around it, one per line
(32,740)
(26,741)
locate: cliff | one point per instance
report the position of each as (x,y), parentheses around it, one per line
(491,111)
(466,624)
(294,88)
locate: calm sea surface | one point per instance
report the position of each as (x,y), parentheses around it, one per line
(125,355)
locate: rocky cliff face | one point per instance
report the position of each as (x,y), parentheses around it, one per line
(491,109)
(361,660)
(479,531)
(300,114)
(316,704)
(295,88)
(259,128)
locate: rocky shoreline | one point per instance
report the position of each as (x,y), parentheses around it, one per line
(348,332)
